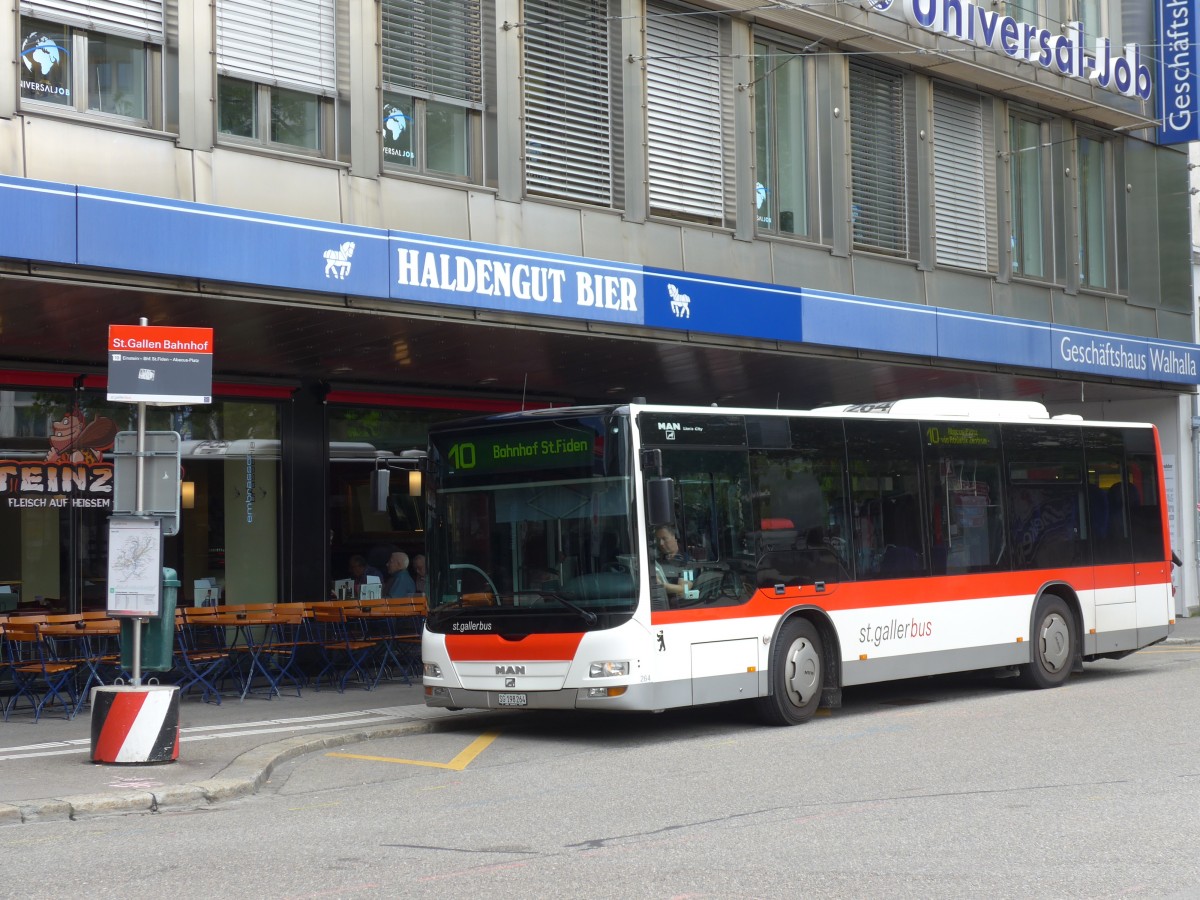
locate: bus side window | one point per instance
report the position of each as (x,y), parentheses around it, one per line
(1106,496)
(966,497)
(1049,525)
(800,515)
(885,462)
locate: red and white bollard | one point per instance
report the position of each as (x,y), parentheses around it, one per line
(132,725)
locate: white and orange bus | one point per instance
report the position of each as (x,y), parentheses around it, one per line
(642,557)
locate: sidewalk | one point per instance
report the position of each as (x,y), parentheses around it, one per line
(225,751)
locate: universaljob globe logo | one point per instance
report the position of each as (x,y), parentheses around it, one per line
(1063,52)
(397,139)
(44,60)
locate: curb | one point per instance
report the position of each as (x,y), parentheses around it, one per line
(241,778)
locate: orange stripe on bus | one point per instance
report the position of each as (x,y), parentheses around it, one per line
(533,647)
(938,589)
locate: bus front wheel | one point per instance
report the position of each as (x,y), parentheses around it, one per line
(797,675)
(1054,644)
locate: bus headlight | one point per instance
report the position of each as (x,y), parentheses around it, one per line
(433,670)
(609,668)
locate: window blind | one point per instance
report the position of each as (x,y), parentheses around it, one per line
(960,221)
(568,100)
(138,19)
(433,48)
(879,213)
(287,44)
(684,112)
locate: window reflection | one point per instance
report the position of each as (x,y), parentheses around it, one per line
(116,76)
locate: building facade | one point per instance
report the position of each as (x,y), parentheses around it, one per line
(399,211)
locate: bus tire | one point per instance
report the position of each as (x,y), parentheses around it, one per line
(1054,644)
(797,675)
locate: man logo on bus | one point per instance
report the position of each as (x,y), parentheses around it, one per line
(510,670)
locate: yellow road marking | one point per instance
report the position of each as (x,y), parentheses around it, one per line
(459,762)
(1189,649)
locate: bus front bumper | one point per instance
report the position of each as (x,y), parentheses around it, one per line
(632,697)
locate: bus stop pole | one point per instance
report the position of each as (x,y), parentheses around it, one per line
(140,505)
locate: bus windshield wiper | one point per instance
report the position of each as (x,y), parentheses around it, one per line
(586,614)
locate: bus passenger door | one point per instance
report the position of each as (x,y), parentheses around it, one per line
(1151,571)
(1112,544)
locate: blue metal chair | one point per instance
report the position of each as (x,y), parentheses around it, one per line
(202,663)
(38,676)
(341,650)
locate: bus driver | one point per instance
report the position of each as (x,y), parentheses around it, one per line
(668,567)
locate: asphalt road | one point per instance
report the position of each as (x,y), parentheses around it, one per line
(950,787)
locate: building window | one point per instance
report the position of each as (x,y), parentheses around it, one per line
(961,196)
(1025,11)
(276,72)
(433,86)
(879,196)
(1095,213)
(684,106)
(571,98)
(1093,16)
(93,71)
(261,112)
(1028,141)
(781,139)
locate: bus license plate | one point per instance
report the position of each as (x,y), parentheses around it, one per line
(513,700)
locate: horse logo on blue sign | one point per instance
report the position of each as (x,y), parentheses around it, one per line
(681,304)
(337,262)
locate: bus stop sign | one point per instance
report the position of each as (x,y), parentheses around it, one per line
(161,477)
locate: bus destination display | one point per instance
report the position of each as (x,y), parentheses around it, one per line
(486,452)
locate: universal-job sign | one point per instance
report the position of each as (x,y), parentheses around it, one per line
(1062,53)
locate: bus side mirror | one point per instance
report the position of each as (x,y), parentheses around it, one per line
(660,501)
(381,484)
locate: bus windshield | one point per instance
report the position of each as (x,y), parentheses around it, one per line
(533,525)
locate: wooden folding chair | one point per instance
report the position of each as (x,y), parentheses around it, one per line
(37,675)
(340,649)
(408,621)
(201,653)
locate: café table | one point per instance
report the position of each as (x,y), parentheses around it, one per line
(255,637)
(91,641)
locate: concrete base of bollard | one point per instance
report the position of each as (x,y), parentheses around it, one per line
(135,725)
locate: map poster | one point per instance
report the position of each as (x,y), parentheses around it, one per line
(135,567)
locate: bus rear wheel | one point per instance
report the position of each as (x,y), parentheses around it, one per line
(797,675)
(1054,645)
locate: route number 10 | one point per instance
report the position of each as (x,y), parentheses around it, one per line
(462,456)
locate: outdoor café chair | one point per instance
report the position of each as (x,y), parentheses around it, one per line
(341,650)
(37,676)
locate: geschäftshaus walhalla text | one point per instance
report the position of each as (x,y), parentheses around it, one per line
(1114,356)
(518,281)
